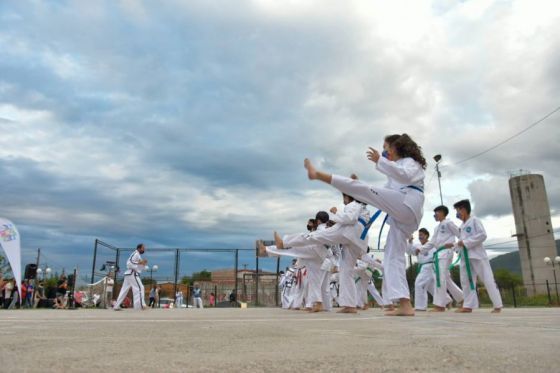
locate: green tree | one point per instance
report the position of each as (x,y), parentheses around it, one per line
(507,279)
(203,275)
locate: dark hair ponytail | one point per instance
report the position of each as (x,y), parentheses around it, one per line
(406,147)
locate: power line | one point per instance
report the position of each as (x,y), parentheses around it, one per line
(509,138)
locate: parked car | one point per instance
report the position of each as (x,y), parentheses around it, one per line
(166,302)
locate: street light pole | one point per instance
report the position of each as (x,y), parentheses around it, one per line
(437,158)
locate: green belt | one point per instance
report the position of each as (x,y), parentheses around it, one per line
(436,265)
(468,266)
(465,254)
(422,265)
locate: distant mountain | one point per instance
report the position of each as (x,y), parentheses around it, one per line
(511,261)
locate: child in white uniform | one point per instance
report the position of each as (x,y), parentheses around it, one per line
(472,236)
(445,233)
(402,199)
(424,283)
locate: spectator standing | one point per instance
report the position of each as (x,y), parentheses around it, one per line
(8,290)
(30,292)
(179,299)
(153,292)
(197,297)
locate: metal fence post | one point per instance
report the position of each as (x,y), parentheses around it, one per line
(548,292)
(257,284)
(94,259)
(513,293)
(236,273)
(277,280)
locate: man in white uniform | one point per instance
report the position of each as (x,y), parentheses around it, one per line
(134,264)
(474,260)
(424,283)
(445,233)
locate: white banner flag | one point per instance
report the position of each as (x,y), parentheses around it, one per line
(10,242)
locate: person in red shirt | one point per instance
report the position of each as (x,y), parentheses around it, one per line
(23,293)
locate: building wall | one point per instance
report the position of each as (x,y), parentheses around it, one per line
(534,230)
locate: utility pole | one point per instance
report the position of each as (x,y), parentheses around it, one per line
(437,158)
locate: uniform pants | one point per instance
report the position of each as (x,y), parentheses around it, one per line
(423,285)
(441,297)
(197,302)
(347,296)
(480,268)
(131,282)
(375,294)
(452,287)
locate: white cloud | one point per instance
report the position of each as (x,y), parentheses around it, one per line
(197,115)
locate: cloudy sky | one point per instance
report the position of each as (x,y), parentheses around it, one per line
(185,123)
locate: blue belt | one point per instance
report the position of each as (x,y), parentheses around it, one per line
(415,188)
(367,225)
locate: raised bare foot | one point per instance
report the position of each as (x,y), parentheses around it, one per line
(438,309)
(496,310)
(261,248)
(311,171)
(278,241)
(348,310)
(463,310)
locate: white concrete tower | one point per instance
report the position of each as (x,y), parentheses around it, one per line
(534,230)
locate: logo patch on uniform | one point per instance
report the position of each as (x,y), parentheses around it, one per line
(469,229)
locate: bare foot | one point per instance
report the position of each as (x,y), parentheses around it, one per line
(348,310)
(365,307)
(317,307)
(438,309)
(496,310)
(388,308)
(463,310)
(400,312)
(278,241)
(307,309)
(261,248)
(311,171)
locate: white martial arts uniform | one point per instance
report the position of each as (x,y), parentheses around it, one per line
(373,265)
(298,288)
(312,256)
(287,283)
(403,200)
(445,233)
(473,234)
(361,279)
(132,281)
(425,281)
(334,287)
(347,232)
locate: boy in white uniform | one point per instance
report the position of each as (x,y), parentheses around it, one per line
(473,254)
(424,283)
(445,233)
(402,199)
(135,264)
(373,265)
